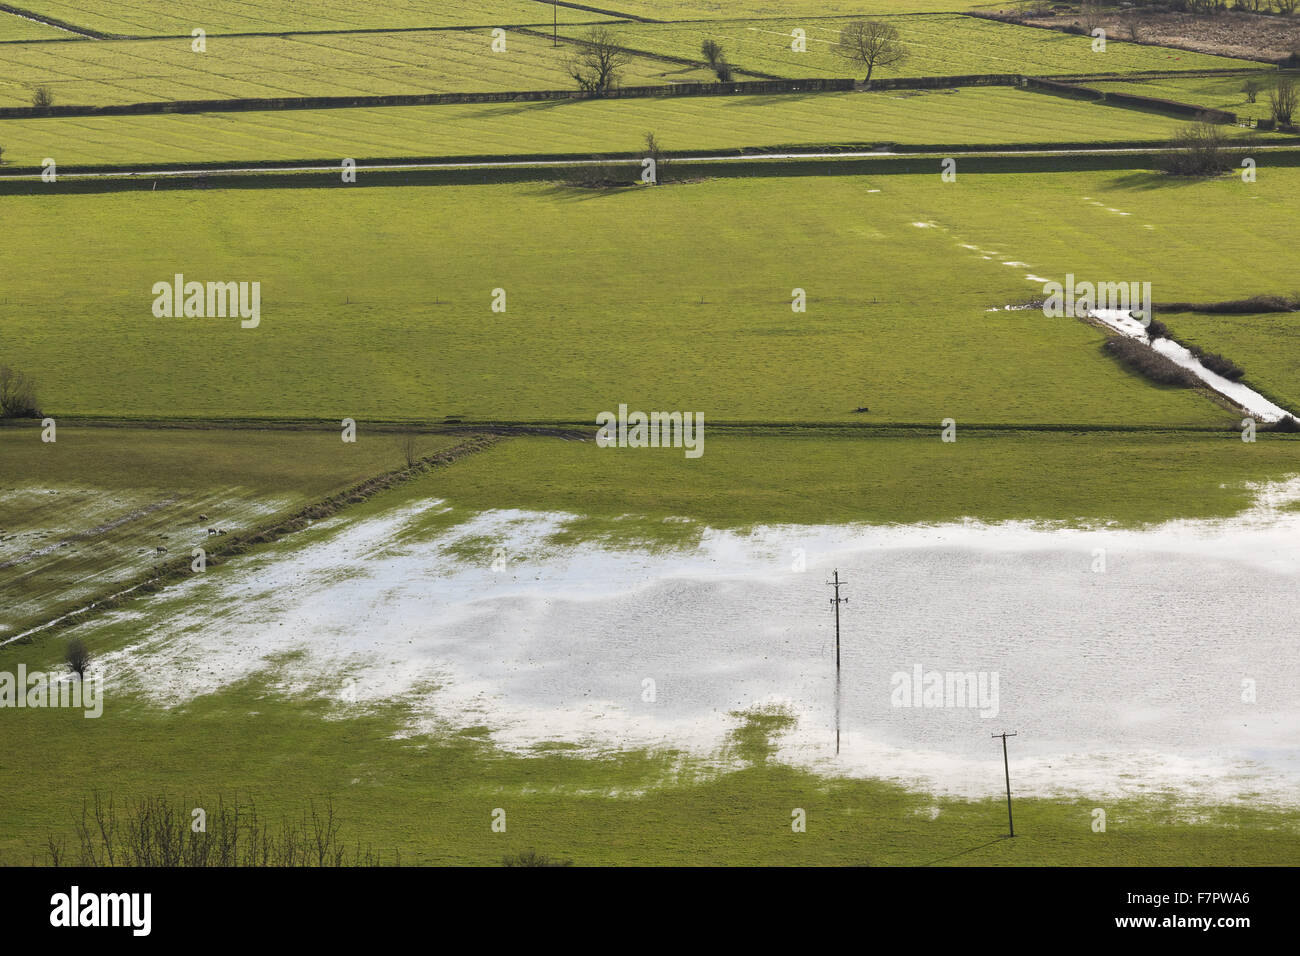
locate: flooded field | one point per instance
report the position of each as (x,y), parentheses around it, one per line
(1128,662)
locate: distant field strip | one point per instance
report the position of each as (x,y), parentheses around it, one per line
(179,17)
(724,9)
(131,71)
(1220,93)
(974,116)
(938,45)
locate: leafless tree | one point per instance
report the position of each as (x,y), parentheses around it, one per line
(871,43)
(1282,101)
(1251,88)
(409,452)
(598,62)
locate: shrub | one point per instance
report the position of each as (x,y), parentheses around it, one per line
(17,395)
(1200,149)
(1146,361)
(532,858)
(1217,363)
(1251,88)
(42,97)
(1286,424)
(723,71)
(77,657)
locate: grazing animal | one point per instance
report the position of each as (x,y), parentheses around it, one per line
(160,549)
(221,531)
(212,531)
(203,517)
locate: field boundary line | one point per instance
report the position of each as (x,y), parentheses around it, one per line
(236,544)
(58,24)
(608,13)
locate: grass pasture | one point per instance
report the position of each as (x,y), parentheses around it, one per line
(972,116)
(1214,92)
(343,64)
(167,18)
(1266,346)
(898,318)
(938,45)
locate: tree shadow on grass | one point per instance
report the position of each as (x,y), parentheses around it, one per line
(1147,180)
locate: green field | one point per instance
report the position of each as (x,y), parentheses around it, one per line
(168,18)
(1220,93)
(342,64)
(376,303)
(1266,346)
(85,514)
(938,45)
(740,9)
(974,116)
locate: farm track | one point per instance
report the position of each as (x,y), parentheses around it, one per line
(1066,155)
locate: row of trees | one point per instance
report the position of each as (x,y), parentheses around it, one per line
(599,60)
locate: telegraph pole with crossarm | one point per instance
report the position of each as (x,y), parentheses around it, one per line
(836,602)
(1007,771)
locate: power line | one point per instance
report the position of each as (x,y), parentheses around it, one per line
(836,602)
(1007,771)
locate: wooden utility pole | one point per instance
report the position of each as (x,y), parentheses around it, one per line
(837,601)
(1007,771)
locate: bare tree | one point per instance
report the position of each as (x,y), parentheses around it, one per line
(1282,101)
(1251,88)
(17,395)
(871,43)
(41,96)
(78,658)
(598,62)
(409,452)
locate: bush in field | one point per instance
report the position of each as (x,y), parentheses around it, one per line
(1218,363)
(77,657)
(654,151)
(599,61)
(871,43)
(1149,363)
(17,395)
(42,97)
(1251,88)
(532,858)
(723,71)
(155,831)
(1200,149)
(1282,101)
